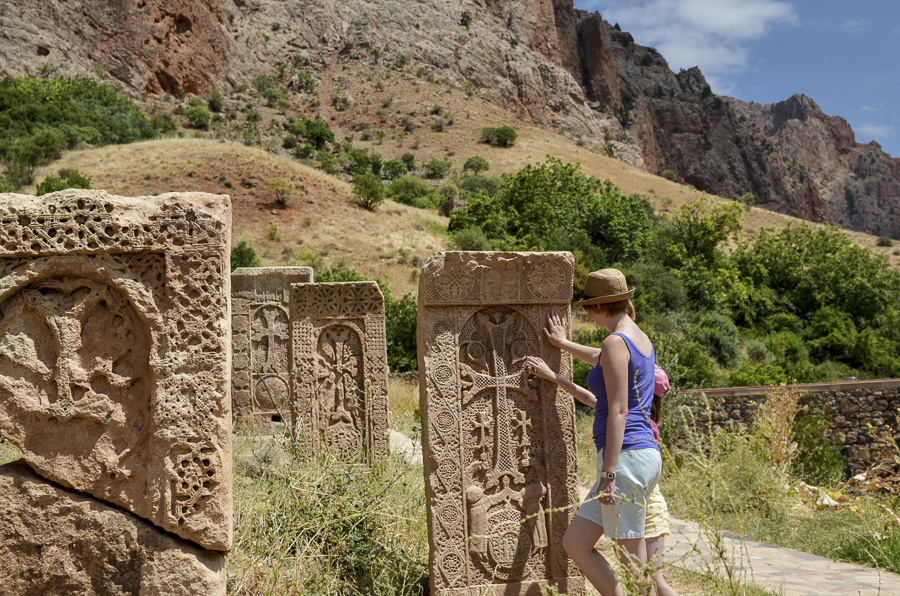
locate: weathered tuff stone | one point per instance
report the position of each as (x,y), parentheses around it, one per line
(499,447)
(261,342)
(56,541)
(340,360)
(114,341)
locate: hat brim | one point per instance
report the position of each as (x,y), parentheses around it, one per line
(606,299)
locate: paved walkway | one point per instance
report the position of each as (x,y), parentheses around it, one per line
(783,570)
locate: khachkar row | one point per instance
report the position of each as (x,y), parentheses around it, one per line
(311,356)
(499,447)
(115,385)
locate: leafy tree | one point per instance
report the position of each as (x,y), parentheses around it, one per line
(412,190)
(65,179)
(502,136)
(699,229)
(369,190)
(216,101)
(437,168)
(282,188)
(410,160)
(359,161)
(505,136)
(718,334)
(393,168)
(476,164)
(810,269)
(318,133)
(401,328)
(243,255)
(197,116)
(488,185)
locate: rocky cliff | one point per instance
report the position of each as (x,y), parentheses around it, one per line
(563,68)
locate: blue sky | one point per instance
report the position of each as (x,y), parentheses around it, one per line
(843,54)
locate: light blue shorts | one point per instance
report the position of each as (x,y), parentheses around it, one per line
(637,473)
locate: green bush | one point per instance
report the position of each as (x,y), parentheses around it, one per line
(243,255)
(412,190)
(818,460)
(65,179)
(41,117)
(437,168)
(476,164)
(489,185)
(502,136)
(197,116)
(718,334)
(393,168)
(400,326)
(693,367)
(471,239)
(410,160)
(368,190)
(757,375)
(215,102)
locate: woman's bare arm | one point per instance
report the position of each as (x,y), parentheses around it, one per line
(614,361)
(540,369)
(555,332)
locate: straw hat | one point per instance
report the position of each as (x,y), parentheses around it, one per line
(604,286)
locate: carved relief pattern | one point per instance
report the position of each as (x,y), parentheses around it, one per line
(261,343)
(339,353)
(499,447)
(113,345)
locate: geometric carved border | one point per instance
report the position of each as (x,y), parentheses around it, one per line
(133,292)
(499,447)
(339,354)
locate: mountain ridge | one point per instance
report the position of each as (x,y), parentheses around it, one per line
(562,68)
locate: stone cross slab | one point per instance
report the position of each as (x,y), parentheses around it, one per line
(499,447)
(339,354)
(261,343)
(114,353)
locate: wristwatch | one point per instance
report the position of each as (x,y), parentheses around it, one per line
(608,475)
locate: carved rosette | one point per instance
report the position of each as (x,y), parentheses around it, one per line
(339,354)
(261,344)
(114,350)
(499,447)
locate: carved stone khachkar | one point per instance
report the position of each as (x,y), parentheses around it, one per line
(114,343)
(261,339)
(340,362)
(499,447)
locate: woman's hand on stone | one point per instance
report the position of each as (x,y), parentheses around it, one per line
(539,368)
(555,329)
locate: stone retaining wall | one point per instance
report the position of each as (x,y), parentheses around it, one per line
(851,405)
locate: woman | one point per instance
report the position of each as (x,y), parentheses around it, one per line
(620,388)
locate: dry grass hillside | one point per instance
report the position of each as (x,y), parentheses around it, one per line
(323,217)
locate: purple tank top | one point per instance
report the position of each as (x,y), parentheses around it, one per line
(638,430)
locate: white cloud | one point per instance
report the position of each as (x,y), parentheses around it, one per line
(856,25)
(711,34)
(878,132)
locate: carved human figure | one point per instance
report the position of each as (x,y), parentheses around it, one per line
(532,495)
(478,521)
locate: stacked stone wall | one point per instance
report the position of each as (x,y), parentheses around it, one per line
(852,406)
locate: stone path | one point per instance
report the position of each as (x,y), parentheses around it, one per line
(783,570)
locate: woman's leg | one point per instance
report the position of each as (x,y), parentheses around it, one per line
(579,541)
(633,556)
(656,546)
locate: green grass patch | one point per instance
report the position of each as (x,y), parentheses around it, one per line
(307,525)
